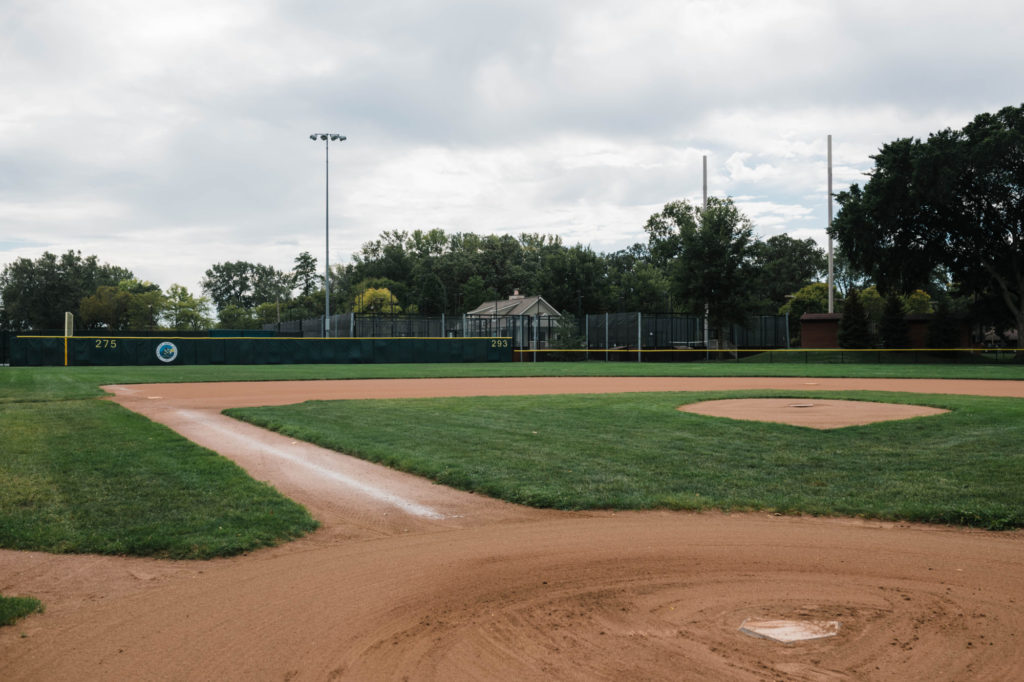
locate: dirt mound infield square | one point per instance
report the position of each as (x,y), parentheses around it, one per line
(814,413)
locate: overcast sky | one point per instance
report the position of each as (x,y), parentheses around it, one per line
(168,136)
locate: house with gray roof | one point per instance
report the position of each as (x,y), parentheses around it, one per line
(528,320)
(516,305)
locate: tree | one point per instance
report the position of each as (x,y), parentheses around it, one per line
(853,325)
(232,316)
(146,303)
(917,302)
(893,331)
(663,241)
(245,285)
(380,301)
(873,303)
(228,284)
(105,309)
(953,201)
(845,277)
(304,275)
(183,311)
(344,279)
(812,298)
(712,261)
(430,291)
(131,305)
(475,291)
(943,330)
(642,287)
(37,293)
(783,265)
(385,257)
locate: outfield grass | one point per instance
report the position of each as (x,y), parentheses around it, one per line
(91,476)
(12,609)
(637,451)
(22,384)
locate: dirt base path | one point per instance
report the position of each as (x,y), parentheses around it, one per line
(411,579)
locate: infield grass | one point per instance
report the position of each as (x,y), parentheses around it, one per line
(91,476)
(13,609)
(637,451)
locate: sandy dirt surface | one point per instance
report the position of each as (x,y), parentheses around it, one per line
(812,413)
(408,579)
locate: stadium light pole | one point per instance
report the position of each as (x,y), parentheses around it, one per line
(327,138)
(831,276)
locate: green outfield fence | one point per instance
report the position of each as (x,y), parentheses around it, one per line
(35,350)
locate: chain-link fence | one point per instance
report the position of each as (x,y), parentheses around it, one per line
(663,331)
(612,331)
(526,331)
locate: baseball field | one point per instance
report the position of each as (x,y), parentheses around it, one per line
(549,521)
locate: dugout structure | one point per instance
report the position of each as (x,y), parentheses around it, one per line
(30,350)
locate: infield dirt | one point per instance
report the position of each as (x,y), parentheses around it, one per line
(408,579)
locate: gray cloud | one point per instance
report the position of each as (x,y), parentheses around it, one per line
(169,136)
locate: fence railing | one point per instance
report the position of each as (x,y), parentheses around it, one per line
(800,356)
(635,331)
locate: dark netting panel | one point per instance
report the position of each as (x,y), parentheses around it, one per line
(110,351)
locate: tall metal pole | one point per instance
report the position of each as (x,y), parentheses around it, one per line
(705,204)
(707,307)
(831,283)
(327,138)
(327,237)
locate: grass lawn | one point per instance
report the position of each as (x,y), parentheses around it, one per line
(13,609)
(90,476)
(637,451)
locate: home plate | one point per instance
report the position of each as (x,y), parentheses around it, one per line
(788,631)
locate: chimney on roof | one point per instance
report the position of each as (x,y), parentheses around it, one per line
(515,296)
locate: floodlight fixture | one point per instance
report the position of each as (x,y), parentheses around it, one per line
(327,138)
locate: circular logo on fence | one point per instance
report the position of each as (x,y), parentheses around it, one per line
(166,351)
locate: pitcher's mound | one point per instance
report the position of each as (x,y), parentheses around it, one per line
(813,413)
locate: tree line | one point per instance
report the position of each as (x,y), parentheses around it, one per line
(950,209)
(691,257)
(939,225)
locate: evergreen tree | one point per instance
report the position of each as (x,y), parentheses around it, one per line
(943,331)
(853,325)
(893,327)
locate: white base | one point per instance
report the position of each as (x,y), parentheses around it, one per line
(788,631)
